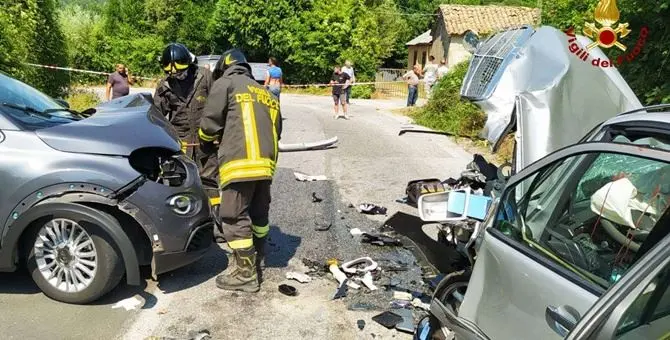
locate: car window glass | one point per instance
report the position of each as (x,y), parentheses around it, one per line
(13,91)
(588,213)
(648,309)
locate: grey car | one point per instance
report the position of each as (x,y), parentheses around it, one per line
(258,70)
(576,246)
(88,199)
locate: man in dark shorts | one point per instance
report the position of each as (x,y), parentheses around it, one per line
(118,83)
(340,81)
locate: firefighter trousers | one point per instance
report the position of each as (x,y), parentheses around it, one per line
(244,212)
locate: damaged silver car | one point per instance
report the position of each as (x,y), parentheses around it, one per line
(87,198)
(577,245)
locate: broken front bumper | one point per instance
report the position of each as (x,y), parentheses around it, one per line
(198,244)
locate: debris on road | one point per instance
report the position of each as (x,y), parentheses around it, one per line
(402,296)
(368,281)
(341,290)
(307,178)
(397,304)
(407,323)
(316,199)
(300,277)
(355,232)
(322,226)
(380,240)
(288,290)
(318,145)
(372,209)
(199,335)
(361,324)
(129,303)
(339,275)
(387,319)
(350,267)
(420,304)
(361,306)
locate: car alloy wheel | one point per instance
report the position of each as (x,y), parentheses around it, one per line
(66,255)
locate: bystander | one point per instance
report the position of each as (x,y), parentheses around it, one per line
(412,79)
(349,69)
(340,81)
(442,70)
(118,83)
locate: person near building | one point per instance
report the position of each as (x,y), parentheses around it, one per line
(412,79)
(340,82)
(349,69)
(443,69)
(245,119)
(118,83)
(274,78)
(430,75)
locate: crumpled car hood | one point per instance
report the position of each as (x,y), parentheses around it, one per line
(114,132)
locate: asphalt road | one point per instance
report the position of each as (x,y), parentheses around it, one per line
(371,164)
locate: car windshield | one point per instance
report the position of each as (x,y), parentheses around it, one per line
(30,108)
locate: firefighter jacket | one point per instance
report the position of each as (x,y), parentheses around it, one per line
(182,103)
(245,117)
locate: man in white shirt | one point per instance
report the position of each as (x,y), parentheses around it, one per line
(348,69)
(442,69)
(430,74)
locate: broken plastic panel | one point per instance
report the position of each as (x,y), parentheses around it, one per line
(437,207)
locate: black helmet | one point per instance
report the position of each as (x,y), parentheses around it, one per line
(231,57)
(176,58)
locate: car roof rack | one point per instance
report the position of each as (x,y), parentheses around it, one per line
(646,108)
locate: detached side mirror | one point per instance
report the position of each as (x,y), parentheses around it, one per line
(63,102)
(444,206)
(471,41)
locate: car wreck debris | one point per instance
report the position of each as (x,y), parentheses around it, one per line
(350,267)
(402,296)
(380,240)
(372,209)
(339,275)
(307,178)
(288,290)
(387,319)
(322,226)
(316,199)
(300,277)
(360,324)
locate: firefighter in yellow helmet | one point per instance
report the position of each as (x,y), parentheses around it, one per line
(245,118)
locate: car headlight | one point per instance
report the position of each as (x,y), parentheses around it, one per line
(184,205)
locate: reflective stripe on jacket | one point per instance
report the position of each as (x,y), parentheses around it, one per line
(246,118)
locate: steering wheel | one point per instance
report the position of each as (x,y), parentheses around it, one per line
(622,239)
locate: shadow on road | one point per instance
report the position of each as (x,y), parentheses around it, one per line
(281,248)
(195,274)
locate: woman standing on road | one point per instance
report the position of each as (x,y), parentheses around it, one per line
(274,77)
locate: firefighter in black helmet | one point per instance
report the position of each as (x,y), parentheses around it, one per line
(245,118)
(181,97)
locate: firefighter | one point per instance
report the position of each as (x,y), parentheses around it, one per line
(245,118)
(181,97)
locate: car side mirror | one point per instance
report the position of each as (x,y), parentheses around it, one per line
(444,206)
(88,112)
(63,102)
(471,41)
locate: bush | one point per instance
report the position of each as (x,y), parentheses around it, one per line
(362,91)
(81,100)
(445,111)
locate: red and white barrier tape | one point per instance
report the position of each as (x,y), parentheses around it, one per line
(69,69)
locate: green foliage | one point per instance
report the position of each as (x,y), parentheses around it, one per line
(647,74)
(29,32)
(81,100)
(445,111)
(362,91)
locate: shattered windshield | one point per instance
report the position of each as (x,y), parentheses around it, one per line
(30,108)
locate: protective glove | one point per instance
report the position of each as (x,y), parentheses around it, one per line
(208,148)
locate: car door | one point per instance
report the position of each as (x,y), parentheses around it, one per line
(556,241)
(638,307)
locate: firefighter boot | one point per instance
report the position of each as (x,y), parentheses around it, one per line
(243,277)
(260,245)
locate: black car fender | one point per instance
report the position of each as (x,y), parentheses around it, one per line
(12,237)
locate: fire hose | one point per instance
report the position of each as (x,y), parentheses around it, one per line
(318,145)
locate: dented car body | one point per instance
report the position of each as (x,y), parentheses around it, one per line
(90,199)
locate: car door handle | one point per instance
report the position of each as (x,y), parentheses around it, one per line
(561,320)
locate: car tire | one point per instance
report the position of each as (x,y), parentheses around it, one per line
(90,274)
(456,282)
